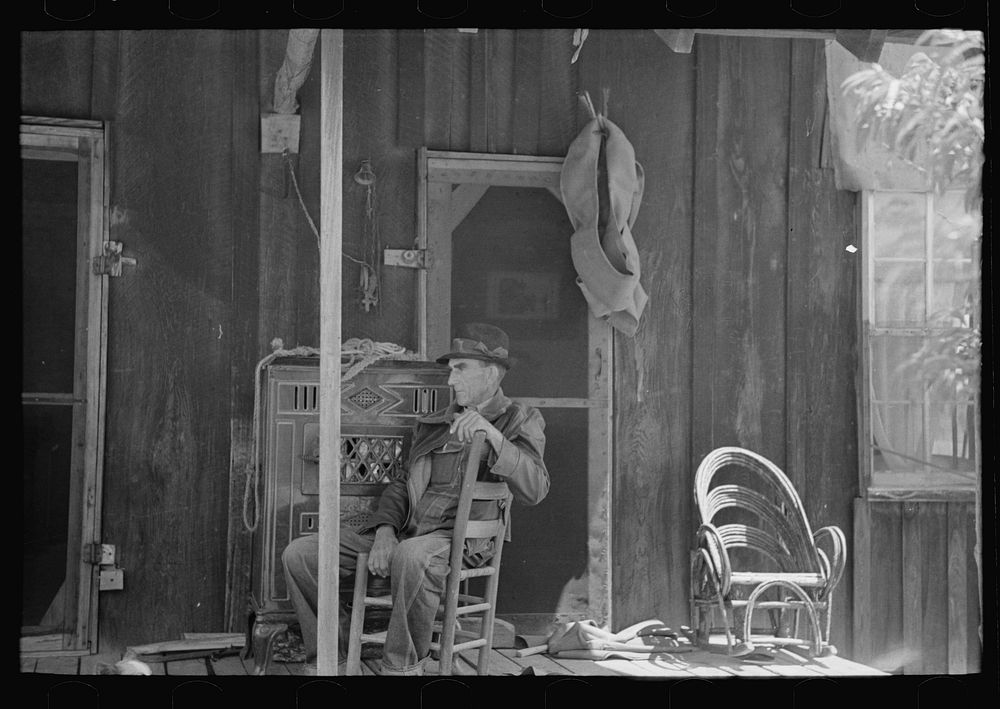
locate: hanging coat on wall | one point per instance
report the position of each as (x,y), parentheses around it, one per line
(601,186)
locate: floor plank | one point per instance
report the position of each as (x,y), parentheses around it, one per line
(502,665)
(91,664)
(539,662)
(839,667)
(279,669)
(584,667)
(231,665)
(736,668)
(644,668)
(247,664)
(186,668)
(58,665)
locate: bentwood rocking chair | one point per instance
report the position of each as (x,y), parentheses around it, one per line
(454,603)
(753,539)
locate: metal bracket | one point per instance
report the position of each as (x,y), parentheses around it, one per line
(111,261)
(409,258)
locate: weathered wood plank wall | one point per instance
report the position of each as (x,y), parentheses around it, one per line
(749,337)
(182,148)
(174,194)
(652,473)
(919,586)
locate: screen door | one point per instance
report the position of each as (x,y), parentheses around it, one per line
(497,244)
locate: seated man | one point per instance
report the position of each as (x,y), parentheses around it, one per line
(408,536)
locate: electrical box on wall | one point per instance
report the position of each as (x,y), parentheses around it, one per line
(279,132)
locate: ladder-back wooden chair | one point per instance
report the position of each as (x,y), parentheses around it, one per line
(757,509)
(454,603)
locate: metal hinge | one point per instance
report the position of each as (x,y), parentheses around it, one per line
(110,577)
(100,554)
(410,258)
(111,261)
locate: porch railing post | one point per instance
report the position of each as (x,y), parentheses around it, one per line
(331,241)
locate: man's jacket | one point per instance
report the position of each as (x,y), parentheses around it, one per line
(519,461)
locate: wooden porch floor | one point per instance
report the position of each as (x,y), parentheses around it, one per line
(503,663)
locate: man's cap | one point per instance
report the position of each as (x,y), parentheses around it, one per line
(481,341)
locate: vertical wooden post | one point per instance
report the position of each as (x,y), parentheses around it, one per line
(331,206)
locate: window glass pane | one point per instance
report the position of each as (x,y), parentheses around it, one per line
(47,451)
(899,293)
(896,368)
(898,437)
(955,292)
(48,267)
(952,443)
(900,226)
(955,230)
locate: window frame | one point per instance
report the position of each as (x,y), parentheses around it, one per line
(85,143)
(872,488)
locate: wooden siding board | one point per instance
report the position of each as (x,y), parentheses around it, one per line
(527,59)
(933,520)
(410,111)
(165,488)
(741,219)
(57,73)
(913,591)
(370,110)
(957,579)
(242,328)
(973,598)
(283,226)
(820,352)
(886,631)
(558,102)
(652,479)
(459,122)
(478,90)
(104,82)
(500,96)
(862,570)
(306,253)
(438,87)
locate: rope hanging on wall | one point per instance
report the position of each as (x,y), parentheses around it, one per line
(369,272)
(370,278)
(360,353)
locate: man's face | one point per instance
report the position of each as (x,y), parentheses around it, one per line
(473,381)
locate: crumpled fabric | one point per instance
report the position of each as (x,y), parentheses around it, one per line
(606,259)
(585,640)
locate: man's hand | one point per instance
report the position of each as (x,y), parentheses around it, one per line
(381,553)
(469,421)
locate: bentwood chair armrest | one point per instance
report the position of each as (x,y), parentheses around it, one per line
(838,544)
(710,540)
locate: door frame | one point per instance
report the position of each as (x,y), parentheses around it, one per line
(84,142)
(440,209)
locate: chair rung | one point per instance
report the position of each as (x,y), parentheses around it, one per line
(378,601)
(481,571)
(753,578)
(458,647)
(768,605)
(374,637)
(476,608)
(465,598)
